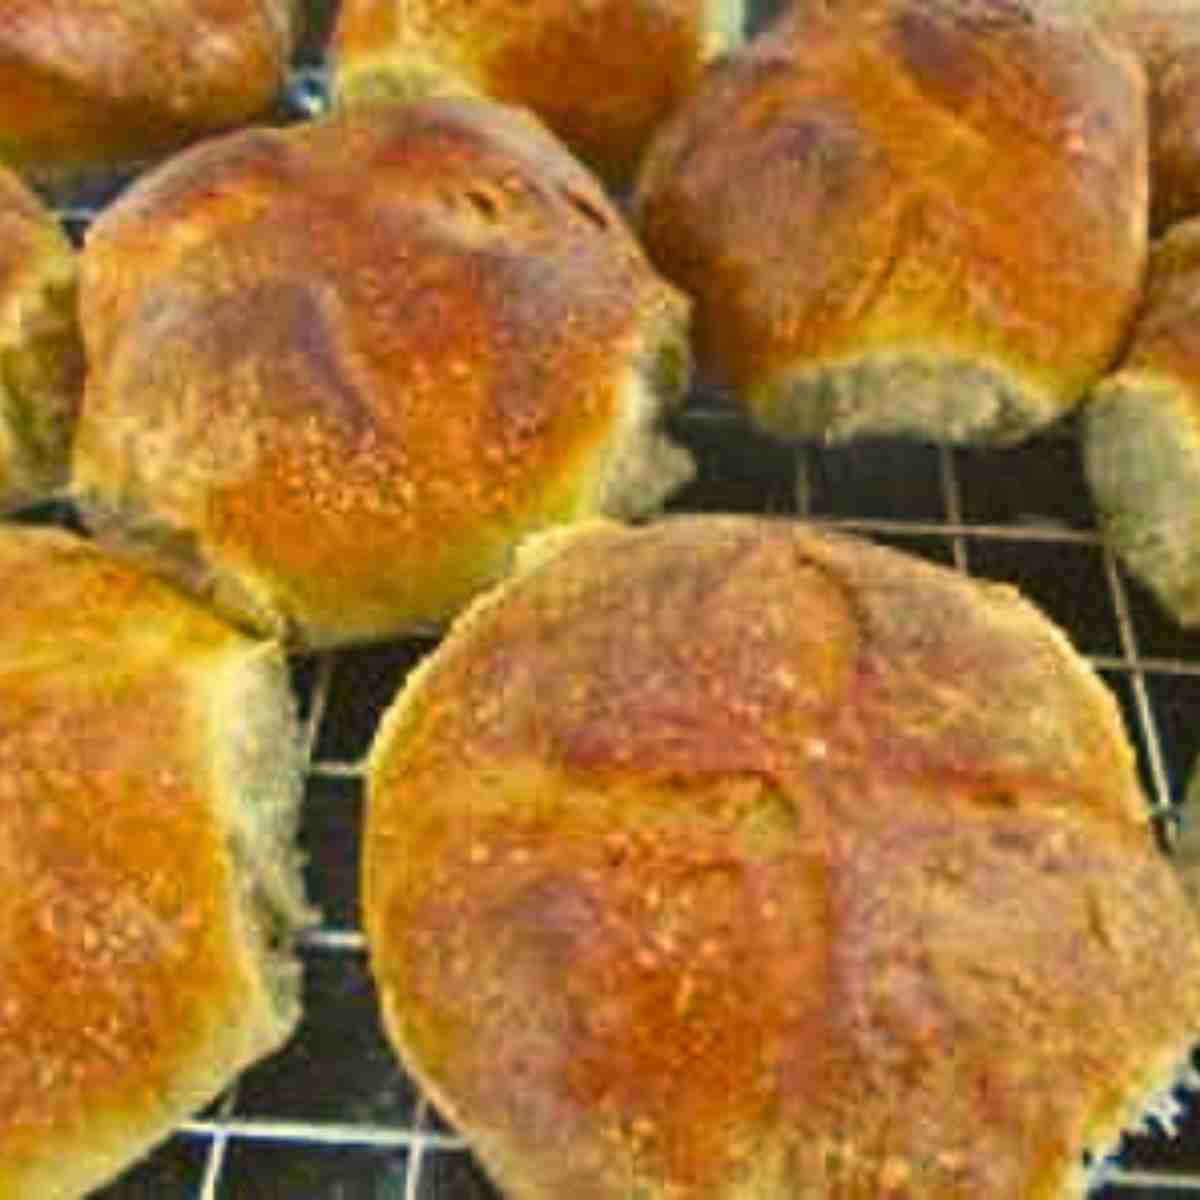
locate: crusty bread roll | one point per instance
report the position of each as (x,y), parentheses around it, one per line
(601,73)
(1141,433)
(97,84)
(148,885)
(335,371)
(908,216)
(41,357)
(725,858)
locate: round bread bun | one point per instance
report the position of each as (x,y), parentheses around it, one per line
(94,85)
(914,216)
(1141,434)
(725,858)
(149,782)
(602,74)
(336,371)
(41,356)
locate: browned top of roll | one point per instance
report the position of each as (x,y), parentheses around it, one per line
(908,173)
(724,858)
(94,83)
(383,340)
(128,996)
(602,75)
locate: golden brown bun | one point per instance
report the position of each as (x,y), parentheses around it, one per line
(148,886)
(41,358)
(95,84)
(724,858)
(602,75)
(916,216)
(335,372)
(1142,433)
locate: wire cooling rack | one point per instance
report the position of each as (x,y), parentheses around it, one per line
(332,1116)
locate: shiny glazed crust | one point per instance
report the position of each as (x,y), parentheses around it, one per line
(1142,433)
(148,790)
(912,216)
(724,858)
(601,73)
(41,358)
(95,84)
(336,371)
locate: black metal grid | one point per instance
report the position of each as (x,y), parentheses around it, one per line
(332,1116)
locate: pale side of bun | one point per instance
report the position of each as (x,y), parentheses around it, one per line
(149,886)
(726,858)
(41,356)
(909,216)
(335,372)
(94,85)
(602,75)
(1141,433)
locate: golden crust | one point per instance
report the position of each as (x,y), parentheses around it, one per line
(602,75)
(737,854)
(349,363)
(41,363)
(905,184)
(128,995)
(98,83)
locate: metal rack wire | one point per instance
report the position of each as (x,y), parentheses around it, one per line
(332,1116)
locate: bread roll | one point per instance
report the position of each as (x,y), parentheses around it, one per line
(1141,433)
(725,858)
(148,884)
(41,358)
(910,216)
(601,73)
(335,371)
(96,84)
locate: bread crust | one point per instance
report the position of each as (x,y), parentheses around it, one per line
(137,977)
(1165,34)
(335,371)
(892,217)
(1141,433)
(1175,139)
(721,857)
(602,74)
(97,84)
(41,356)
